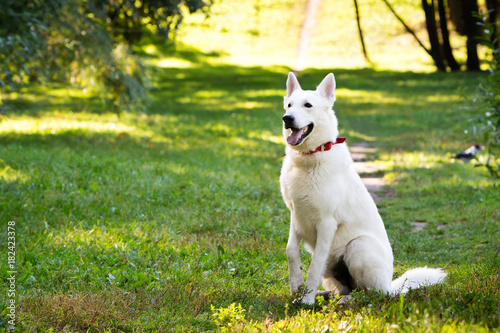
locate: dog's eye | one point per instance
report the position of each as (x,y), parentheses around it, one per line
(289,105)
(308,105)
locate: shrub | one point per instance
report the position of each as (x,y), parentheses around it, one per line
(84,43)
(486,103)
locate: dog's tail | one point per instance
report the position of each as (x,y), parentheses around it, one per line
(416,278)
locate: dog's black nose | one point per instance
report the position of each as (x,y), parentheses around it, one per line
(288,119)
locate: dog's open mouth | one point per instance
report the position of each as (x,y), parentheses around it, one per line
(298,135)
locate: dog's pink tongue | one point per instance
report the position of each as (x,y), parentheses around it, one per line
(293,138)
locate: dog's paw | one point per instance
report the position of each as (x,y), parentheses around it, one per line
(308,299)
(296,284)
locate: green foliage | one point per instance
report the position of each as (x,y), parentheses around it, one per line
(84,43)
(230,317)
(486,104)
(129,19)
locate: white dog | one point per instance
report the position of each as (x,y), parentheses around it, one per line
(331,210)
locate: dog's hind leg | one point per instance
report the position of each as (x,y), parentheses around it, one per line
(369,264)
(337,277)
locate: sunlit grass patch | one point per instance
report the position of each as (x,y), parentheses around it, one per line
(8,175)
(363,313)
(266,136)
(444,166)
(54,124)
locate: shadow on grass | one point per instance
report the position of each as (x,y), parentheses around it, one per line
(383,105)
(379,104)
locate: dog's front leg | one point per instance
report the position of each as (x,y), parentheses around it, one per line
(325,233)
(295,276)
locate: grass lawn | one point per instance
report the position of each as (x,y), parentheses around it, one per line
(171,219)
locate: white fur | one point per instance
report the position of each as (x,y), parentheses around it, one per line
(331,210)
(416,278)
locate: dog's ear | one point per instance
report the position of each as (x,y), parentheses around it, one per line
(292,84)
(327,88)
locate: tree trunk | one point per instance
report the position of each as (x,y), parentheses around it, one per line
(457,16)
(472,32)
(358,20)
(445,35)
(430,20)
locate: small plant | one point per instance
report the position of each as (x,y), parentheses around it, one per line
(229,317)
(486,102)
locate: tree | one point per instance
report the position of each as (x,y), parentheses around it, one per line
(84,42)
(128,19)
(432,31)
(469,7)
(360,31)
(463,15)
(445,36)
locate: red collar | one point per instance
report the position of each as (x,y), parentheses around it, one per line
(325,146)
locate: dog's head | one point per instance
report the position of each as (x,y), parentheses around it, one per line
(309,120)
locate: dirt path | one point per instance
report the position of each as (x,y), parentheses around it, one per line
(306,32)
(371,175)
(369,171)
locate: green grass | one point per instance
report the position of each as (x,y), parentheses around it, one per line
(145,221)
(171,219)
